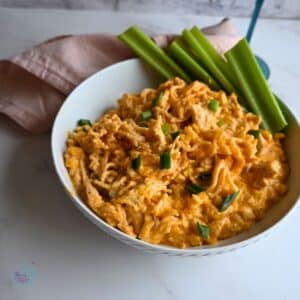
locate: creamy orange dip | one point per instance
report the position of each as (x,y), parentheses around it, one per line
(181,165)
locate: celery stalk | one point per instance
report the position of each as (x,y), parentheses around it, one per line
(149,59)
(213,53)
(254,86)
(179,52)
(144,47)
(206,60)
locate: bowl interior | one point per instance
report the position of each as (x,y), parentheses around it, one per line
(100,92)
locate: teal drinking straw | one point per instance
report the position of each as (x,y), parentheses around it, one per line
(263,65)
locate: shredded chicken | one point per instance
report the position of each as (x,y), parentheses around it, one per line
(158,205)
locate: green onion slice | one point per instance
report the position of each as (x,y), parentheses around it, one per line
(146,115)
(228,200)
(175,134)
(213,105)
(165,128)
(136,163)
(194,188)
(165,160)
(83,122)
(157,100)
(203,230)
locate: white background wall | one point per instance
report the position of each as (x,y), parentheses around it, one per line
(271,9)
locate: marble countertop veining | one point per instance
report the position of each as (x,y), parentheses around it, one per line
(48,250)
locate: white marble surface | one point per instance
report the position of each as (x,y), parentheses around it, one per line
(271,8)
(43,237)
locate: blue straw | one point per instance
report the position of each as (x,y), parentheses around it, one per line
(257,8)
(263,65)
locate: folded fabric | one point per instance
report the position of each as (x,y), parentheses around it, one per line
(34,84)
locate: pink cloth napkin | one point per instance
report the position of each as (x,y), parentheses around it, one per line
(34,84)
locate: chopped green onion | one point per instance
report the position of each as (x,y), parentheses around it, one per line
(255,133)
(205,176)
(175,134)
(165,160)
(213,105)
(194,188)
(203,230)
(83,122)
(146,48)
(136,163)
(179,50)
(165,128)
(221,122)
(146,115)
(157,100)
(254,87)
(228,200)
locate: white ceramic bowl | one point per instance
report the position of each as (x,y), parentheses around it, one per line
(100,92)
